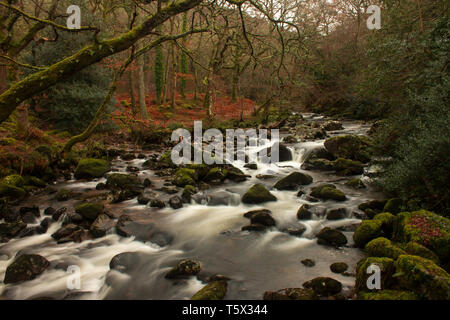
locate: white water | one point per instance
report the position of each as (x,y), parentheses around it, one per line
(255,262)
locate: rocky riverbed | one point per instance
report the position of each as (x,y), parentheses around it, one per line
(139,227)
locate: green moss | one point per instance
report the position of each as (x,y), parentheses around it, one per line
(367,231)
(91,168)
(89,210)
(382,247)
(258,194)
(33,181)
(11,191)
(425,228)
(293,181)
(216,173)
(387,269)
(422,276)
(347,167)
(185,176)
(122,181)
(416,249)
(349,147)
(388,295)
(393,205)
(324,286)
(215,290)
(328,191)
(14,180)
(387,219)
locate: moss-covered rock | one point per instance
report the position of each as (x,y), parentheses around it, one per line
(214,290)
(355,183)
(216,173)
(184,177)
(328,192)
(89,211)
(339,267)
(26,267)
(91,168)
(387,222)
(14,180)
(317,164)
(63,195)
(425,228)
(347,167)
(188,192)
(382,247)
(349,147)
(324,286)
(293,181)
(331,237)
(367,231)
(34,181)
(387,269)
(422,276)
(388,295)
(416,249)
(376,205)
(258,194)
(122,181)
(166,160)
(393,205)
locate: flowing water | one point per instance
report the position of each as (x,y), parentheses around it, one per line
(254,261)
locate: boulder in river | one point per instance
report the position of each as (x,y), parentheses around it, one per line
(10,230)
(347,167)
(324,286)
(258,194)
(183,269)
(366,231)
(304,212)
(293,181)
(91,168)
(262,217)
(120,181)
(332,237)
(175,202)
(25,267)
(254,227)
(101,225)
(349,147)
(89,211)
(337,214)
(126,262)
(284,154)
(188,192)
(328,192)
(332,125)
(214,290)
(339,267)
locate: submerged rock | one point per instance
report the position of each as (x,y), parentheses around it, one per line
(183,269)
(10,230)
(26,267)
(308,263)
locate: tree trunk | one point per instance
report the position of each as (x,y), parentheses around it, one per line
(141,88)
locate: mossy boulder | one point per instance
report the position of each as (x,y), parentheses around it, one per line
(393,205)
(26,267)
(339,267)
(425,228)
(328,192)
(63,195)
(376,205)
(214,290)
(34,181)
(349,147)
(387,269)
(387,222)
(184,268)
(416,249)
(258,194)
(355,183)
(215,174)
(91,168)
(293,181)
(166,160)
(422,276)
(122,181)
(331,237)
(317,164)
(388,295)
(14,180)
(367,231)
(382,247)
(324,286)
(188,192)
(184,177)
(89,211)
(347,167)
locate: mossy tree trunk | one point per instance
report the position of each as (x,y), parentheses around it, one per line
(93,53)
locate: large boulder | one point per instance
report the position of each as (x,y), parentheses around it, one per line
(328,192)
(14,180)
(349,147)
(101,225)
(331,237)
(184,269)
(120,181)
(91,168)
(367,231)
(416,249)
(423,276)
(184,177)
(393,205)
(293,181)
(386,266)
(284,154)
(347,167)
(258,194)
(214,290)
(324,286)
(25,267)
(426,228)
(262,217)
